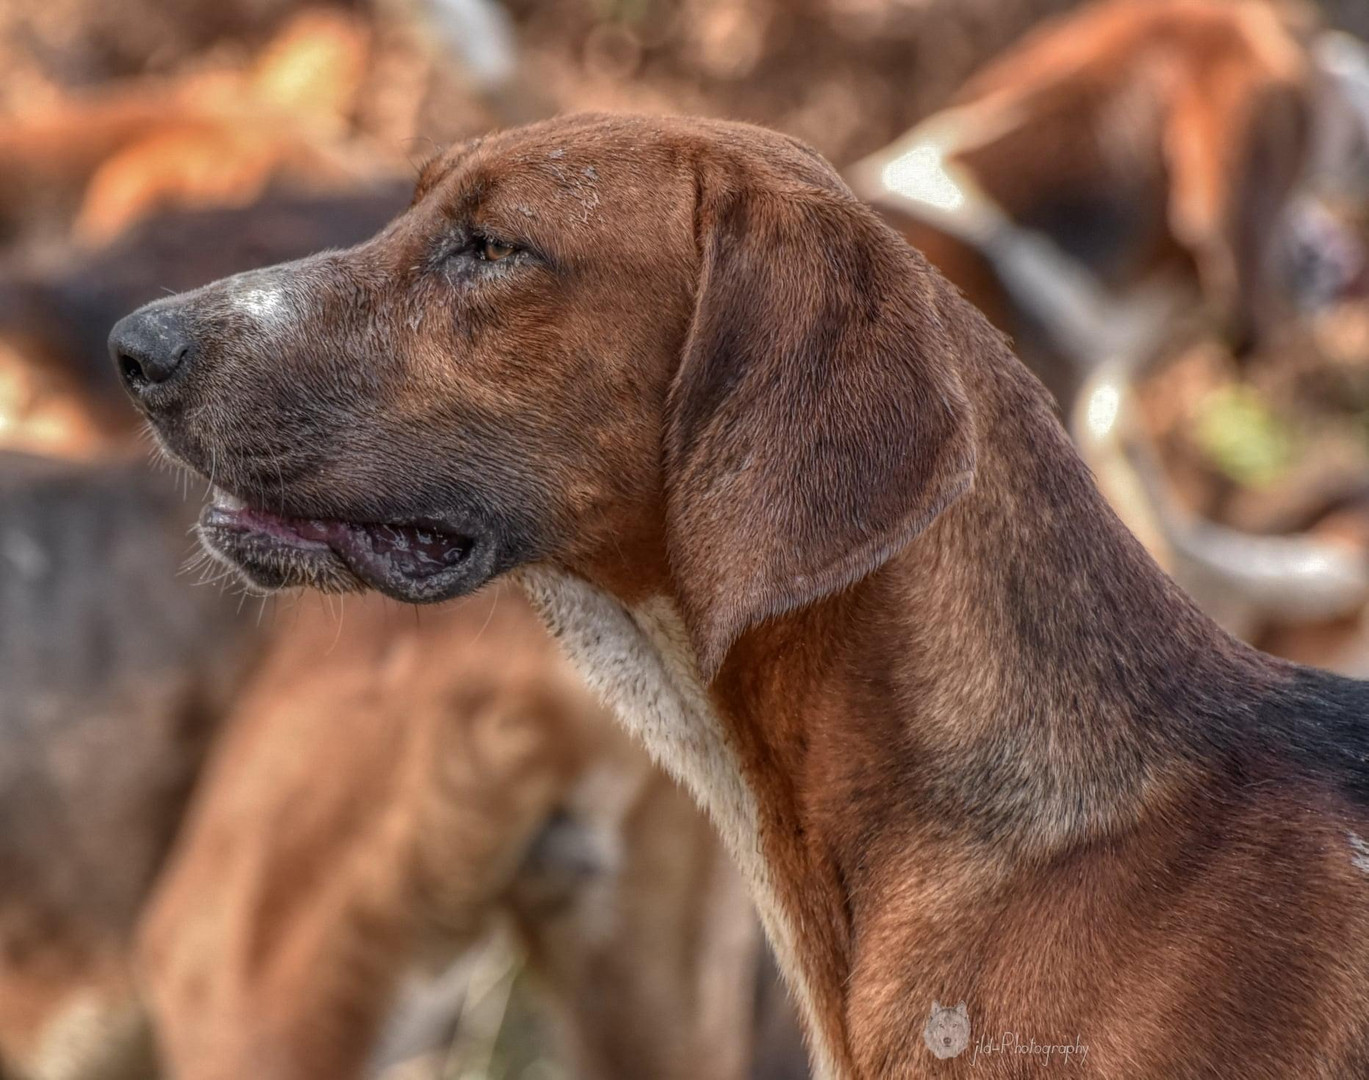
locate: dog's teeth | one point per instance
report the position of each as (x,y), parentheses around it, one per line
(225,501)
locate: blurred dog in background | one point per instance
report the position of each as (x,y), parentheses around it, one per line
(1123,179)
(383,791)
(1119,170)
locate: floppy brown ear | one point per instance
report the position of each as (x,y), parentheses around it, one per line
(817,422)
(1234,153)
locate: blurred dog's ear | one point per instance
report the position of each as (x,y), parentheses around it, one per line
(817,422)
(1234,153)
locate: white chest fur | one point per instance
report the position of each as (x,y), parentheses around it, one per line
(641,663)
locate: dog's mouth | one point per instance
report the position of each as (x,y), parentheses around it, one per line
(416,562)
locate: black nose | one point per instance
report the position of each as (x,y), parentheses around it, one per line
(148,348)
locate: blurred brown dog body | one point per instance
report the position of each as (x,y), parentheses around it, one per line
(385,791)
(1142,152)
(795,507)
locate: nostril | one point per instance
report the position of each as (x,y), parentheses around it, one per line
(148,348)
(131,371)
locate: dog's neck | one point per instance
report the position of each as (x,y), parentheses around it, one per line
(1020,681)
(1012,684)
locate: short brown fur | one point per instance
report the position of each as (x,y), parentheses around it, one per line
(995,754)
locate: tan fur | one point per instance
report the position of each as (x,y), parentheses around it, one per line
(376,805)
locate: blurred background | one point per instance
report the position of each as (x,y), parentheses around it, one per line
(300,839)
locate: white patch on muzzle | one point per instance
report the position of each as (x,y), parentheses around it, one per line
(268,305)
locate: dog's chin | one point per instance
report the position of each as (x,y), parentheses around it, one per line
(417,563)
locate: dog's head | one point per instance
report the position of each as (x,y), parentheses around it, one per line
(665,355)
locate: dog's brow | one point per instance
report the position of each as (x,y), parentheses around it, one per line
(440,165)
(429,173)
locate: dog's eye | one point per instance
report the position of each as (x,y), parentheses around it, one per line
(493,250)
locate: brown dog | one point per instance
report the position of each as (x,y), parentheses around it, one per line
(388,790)
(1123,165)
(797,510)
